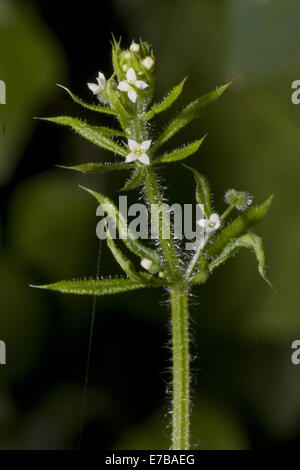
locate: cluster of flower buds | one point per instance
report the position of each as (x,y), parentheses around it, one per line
(134,68)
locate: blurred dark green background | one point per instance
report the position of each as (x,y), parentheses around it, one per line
(245,388)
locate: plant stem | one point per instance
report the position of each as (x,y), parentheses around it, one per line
(181,368)
(162,225)
(179,305)
(227,212)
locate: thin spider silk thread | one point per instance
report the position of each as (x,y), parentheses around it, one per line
(88,361)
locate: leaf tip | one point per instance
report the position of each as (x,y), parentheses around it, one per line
(38,287)
(63,87)
(221,89)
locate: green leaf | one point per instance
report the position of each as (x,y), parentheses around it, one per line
(125,263)
(249,240)
(116,50)
(92,107)
(116,104)
(189,112)
(128,238)
(90,133)
(108,131)
(203,196)
(240,225)
(165,103)
(181,153)
(96,168)
(135,180)
(94,287)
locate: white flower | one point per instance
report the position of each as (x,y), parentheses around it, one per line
(148,62)
(128,85)
(138,152)
(98,87)
(211,224)
(134,47)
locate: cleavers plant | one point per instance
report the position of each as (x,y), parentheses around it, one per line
(127,96)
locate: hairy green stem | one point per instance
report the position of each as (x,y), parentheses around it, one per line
(181,368)
(161,222)
(227,212)
(179,304)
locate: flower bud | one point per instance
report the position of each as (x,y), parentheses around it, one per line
(148,63)
(149,266)
(134,47)
(146,264)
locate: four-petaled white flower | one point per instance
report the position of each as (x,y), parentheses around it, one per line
(138,151)
(128,85)
(98,87)
(211,224)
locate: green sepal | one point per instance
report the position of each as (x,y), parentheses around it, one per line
(128,238)
(114,97)
(250,241)
(239,226)
(94,287)
(189,112)
(92,107)
(179,154)
(203,196)
(165,103)
(90,133)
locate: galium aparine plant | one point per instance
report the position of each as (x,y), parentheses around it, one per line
(127,96)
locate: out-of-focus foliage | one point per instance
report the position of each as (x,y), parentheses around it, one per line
(46,208)
(31,64)
(221,429)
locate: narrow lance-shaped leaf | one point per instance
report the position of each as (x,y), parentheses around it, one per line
(114,98)
(239,226)
(203,196)
(189,112)
(135,180)
(90,133)
(249,240)
(98,168)
(165,103)
(180,154)
(128,238)
(108,131)
(94,287)
(115,53)
(125,263)
(92,107)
